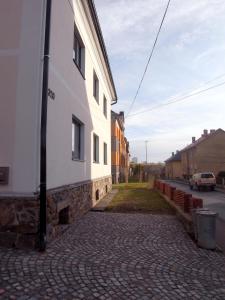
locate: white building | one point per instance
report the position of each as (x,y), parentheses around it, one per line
(80,93)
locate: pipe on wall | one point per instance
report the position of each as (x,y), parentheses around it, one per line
(43,134)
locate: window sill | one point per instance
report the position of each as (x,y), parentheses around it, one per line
(97,101)
(78,160)
(96,162)
(79,69)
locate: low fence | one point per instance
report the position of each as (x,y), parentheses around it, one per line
(181,199)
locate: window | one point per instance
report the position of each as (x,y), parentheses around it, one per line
(95,148)
(105,106)
(78,51)
(64,216)
(97,195)
(77,139)
(95,87)
(105,154)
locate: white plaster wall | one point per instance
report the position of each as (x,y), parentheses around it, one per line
(73,96)
(21,42)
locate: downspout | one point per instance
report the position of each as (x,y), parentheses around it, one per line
(42,215)
(115,101)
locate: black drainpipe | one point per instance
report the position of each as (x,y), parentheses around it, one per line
(115,101)
(42,216)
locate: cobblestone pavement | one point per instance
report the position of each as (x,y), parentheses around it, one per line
(115,256)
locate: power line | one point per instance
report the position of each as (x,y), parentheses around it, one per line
(179,99)
(149,59)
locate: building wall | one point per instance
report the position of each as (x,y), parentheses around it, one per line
(120,157)
(174,169)
(210,155)
(177,169)
(74,96)
(73,186)
(115,155)
(20,86)
(189,162)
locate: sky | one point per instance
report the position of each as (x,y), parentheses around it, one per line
(189,57)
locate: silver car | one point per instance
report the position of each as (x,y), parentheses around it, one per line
(200,180)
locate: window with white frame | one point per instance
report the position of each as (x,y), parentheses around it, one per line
(77,139)
(78,51)
(95,148)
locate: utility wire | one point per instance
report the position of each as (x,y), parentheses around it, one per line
(149,59)
(179,99)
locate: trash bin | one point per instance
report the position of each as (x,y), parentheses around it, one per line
(206,229)
(194,219)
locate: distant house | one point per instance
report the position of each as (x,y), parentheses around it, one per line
(55,121)
(204,154)
(134,160)
(120,148)
(173,167)
(126,155)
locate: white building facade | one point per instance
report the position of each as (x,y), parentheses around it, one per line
(80,94)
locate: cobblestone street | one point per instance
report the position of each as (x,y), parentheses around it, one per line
(115,256)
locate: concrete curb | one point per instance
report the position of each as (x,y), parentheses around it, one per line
(185,218)
(104,202)
(217,189)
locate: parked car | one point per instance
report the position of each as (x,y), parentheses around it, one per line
(200,180)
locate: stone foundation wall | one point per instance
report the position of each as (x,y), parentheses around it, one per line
(19,216)
(19,221)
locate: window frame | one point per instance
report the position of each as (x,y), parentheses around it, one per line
(80,125)
(78,51)
(95,87)
(105,153)
(105,110)
(95,148)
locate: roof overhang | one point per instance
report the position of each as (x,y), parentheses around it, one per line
(96,24)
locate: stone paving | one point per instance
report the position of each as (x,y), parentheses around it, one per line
(115,256)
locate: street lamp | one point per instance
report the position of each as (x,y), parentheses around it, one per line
(146,151)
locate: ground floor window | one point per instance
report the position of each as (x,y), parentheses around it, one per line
(95,148)
(77,139)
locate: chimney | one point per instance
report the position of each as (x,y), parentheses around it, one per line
(212,130)
(205,132)
(121,114)
(193,139)
(172,153)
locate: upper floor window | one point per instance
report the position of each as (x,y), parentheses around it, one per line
(78,51)
(95,148)
(105,106)
(95,87)
(77,139)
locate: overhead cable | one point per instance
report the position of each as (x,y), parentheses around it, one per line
(179,99)
(149,59)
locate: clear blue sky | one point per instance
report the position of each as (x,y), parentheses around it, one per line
(190,52)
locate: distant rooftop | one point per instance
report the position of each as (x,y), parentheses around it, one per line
(174,157)
(204,136)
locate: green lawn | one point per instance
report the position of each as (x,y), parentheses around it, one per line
(138,197)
